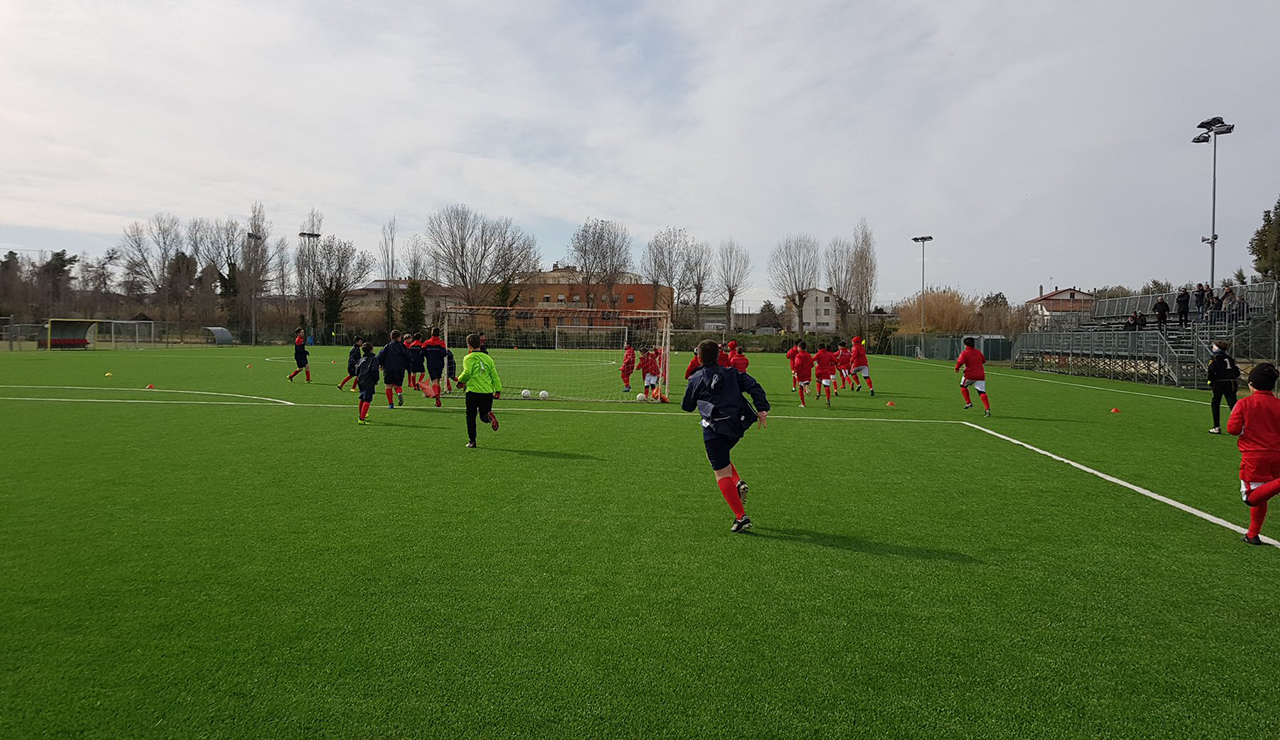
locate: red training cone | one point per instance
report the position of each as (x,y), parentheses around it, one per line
(246,367)
(891,403)
(150,387)
(1115,411)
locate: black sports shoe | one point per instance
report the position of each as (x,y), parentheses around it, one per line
(400,399)
(873,391)
(471,444)
(1251,540)
(741,525)
(987,413)
(742,492)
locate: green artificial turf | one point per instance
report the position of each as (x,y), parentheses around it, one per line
(202,568)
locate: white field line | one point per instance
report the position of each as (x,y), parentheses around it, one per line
(146,390)
(929,363)
(1124,484)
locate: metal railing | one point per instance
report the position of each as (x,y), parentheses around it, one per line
(1144,356)
(1258,297)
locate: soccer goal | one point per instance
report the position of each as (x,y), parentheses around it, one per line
(591,337)
(572,354)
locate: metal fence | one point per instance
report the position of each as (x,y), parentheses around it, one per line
(1143,356)
(996,348)
(1259,298)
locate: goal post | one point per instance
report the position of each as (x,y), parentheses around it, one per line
(570,353)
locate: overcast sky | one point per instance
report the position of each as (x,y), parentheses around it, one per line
(1039,141)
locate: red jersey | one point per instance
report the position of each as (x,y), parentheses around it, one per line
(802,365)
(739,361)
(844,359)
(298,341)
(1256,420)
(629,359)
(791,353)
(858,355)
(649,364)
(694,364)
(824,364)
(972,360)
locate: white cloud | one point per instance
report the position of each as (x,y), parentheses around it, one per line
(1033,140)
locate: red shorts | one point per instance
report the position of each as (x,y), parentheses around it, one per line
(1259,469)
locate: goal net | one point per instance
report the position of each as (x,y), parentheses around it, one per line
(569,353)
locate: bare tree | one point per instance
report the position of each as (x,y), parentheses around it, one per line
(602,251)
(417,258)
(840,278)
(733,266)
(387,251)
(662,264)
(698,269)
(336,268)
(480,259)
(865,277)
(793,270)
(306,263)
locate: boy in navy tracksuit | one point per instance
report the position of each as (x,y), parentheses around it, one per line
(715,392)
(353,359)
(366,372)
(394,361)
(416,366)
(433,356)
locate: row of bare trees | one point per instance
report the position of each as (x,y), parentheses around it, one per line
(799,264)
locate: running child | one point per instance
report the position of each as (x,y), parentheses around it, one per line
(394,361)
(824,367)
(738,359)
(971,360)
(433,356)
(300,355)
(802,370)
(1256,421)
(716,393)
(417,368)
(353,359)
(628,366)
(844,361)
(480,380)
(366,380)
(450,370)
(791,363)
(858,365)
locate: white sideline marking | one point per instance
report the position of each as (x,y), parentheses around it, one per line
(1058,382)
(1124,484)
(146,390)
(138,400)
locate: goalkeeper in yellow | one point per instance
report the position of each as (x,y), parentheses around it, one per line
(480,380)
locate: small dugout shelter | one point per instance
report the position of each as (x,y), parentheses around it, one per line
(219,336)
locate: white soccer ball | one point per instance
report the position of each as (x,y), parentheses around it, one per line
(544,395)
(526,394)
(641,396)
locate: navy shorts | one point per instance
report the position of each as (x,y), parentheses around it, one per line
(435,372)
(417,366)
(718,450)
(391,378)
(351,369)
(366,395)
(301,360)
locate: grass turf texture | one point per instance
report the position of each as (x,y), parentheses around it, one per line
(194,570)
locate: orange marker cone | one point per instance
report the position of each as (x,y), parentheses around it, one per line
(891,403)
(246,367)
(1115,411)
(150,387)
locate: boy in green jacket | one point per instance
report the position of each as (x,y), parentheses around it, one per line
(480,380)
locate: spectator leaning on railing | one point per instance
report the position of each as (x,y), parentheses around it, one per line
(1202,302)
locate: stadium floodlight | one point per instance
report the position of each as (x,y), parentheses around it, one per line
(921,240)
(308,234)
(1212,129)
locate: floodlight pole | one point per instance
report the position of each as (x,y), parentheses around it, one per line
(921,240)
(1212,128)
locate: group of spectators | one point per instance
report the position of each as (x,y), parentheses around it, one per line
(1210,306)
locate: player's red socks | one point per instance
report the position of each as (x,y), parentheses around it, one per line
(985,403)
(733,469)
(729,490)
(965,392)
(794,382)
(308,376)
(389,394)
(801,395)
(869,386)
(364,409)
(294,374)
(828,393)
(1257,515)
(344,380)
(399,390)
(1264,492)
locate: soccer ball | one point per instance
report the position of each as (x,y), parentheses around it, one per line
(544,395)
(641,397)
(526,394)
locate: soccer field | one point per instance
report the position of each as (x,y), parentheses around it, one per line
(230,555)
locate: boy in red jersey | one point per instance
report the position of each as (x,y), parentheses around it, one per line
(791,363)
(739,359)
(843,359)
(971,360)
(1256,421)
(802,370)
(433,360)
(628,366)
(723,359)
(824,366)
(858,365)
(300,355)
(649,369)
(417,368)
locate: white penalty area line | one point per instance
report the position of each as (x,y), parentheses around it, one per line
(1123,484)
(934,363)
(144,390)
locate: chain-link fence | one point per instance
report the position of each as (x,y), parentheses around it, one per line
(949,347)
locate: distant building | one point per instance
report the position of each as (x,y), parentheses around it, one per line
(562,287)
(1059,306)
(820,313)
